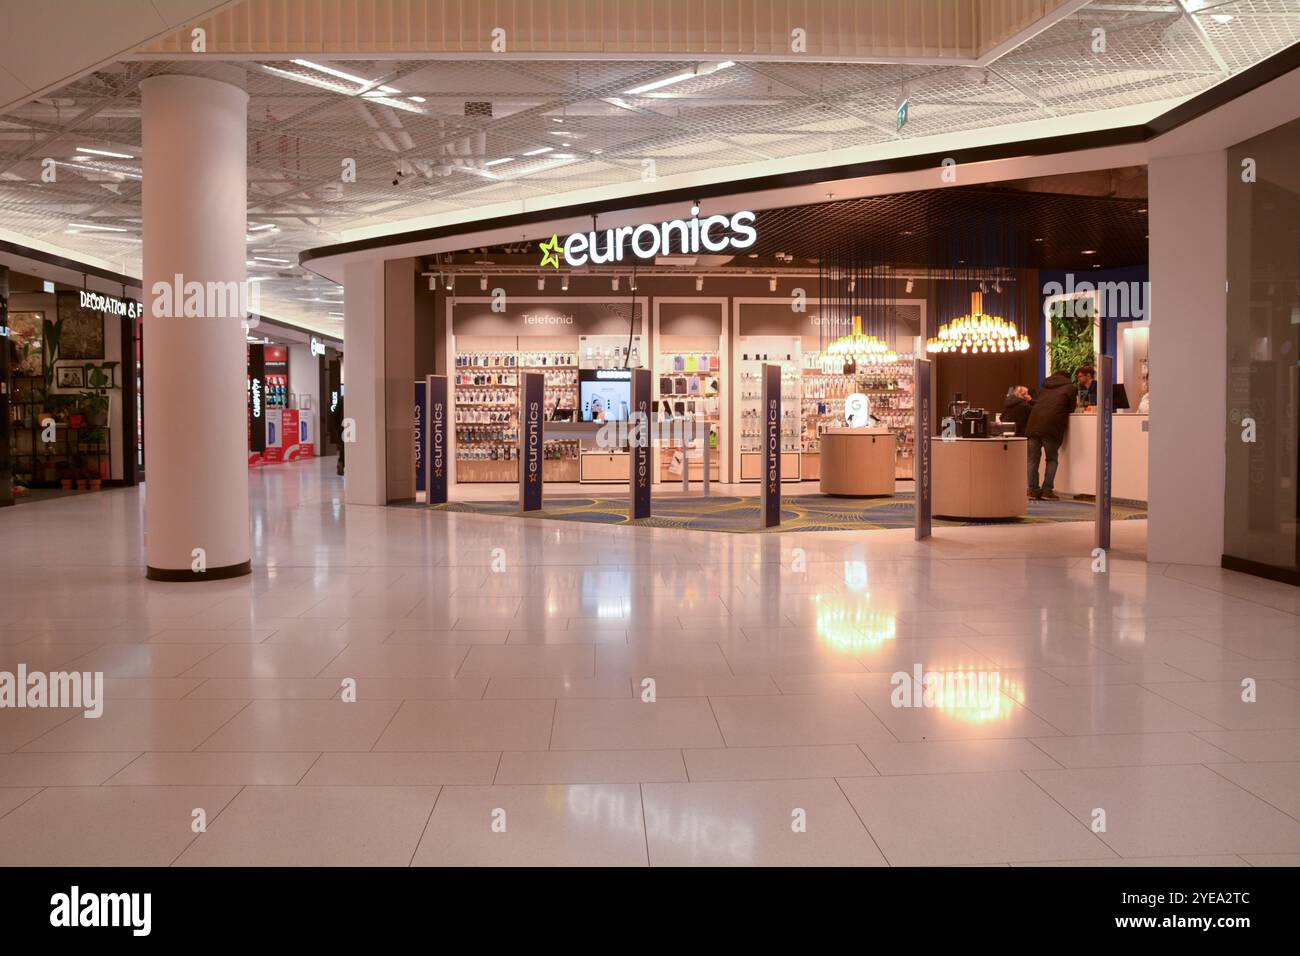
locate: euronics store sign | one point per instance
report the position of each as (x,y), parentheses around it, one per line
(677,236)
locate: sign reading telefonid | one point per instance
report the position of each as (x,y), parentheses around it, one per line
(686,236)
(530,441)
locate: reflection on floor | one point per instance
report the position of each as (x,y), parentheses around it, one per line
(798,512)
(503,665)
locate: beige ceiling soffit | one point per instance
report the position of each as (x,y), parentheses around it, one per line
(165,18)
(1031,29)
(951,32)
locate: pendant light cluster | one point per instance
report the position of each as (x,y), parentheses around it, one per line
(978,332)
(980,305)
(857,320)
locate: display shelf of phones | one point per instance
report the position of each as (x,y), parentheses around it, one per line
(609,351)
(750,370)
(891,390)
(823,402)
(559,370)
(486,415)
(277,391)
(690,387)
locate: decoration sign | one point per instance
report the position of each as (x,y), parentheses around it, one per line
(639,446)
(532,385)
(110,304)
(677,236)
(435,439)
(771,445)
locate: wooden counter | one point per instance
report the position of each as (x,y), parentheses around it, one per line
(980,477)
(857,462)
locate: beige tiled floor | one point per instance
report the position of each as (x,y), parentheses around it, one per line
(520,698)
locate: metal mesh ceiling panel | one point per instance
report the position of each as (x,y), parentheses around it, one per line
(456,135)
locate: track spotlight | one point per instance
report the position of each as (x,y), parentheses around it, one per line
(699,283)
(564,282)
(909,284)
(771,284)
(433,283)
(482,283)
(541,284)
(613,283)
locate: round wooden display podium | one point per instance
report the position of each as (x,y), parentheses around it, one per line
(857,462)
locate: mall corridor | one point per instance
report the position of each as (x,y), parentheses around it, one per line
(396,686)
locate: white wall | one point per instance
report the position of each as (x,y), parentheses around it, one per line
(304,377)
(1188,358)
(363,402)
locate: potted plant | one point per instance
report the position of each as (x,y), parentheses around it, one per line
(93,479)
(94,403)
(67,475)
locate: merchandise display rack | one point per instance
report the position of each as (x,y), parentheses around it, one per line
(689,387)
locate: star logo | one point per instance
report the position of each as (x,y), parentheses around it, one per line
(551,252)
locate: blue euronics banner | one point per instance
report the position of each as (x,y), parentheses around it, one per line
(531,388)
(639,446)
(771,446)
(435,439)
(419,437)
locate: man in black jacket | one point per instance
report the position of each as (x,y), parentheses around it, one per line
(1046,430)
(1017,407)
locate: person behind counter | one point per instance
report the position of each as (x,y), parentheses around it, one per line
(1045,430)
(1017,407)
(1086,376)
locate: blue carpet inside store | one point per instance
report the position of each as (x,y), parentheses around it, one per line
(798,512)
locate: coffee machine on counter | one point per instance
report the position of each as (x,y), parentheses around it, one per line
(964,421)
(974,423)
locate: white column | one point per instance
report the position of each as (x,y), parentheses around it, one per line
(365,471)
(1188,202)
(195,133)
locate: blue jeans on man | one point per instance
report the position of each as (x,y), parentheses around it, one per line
(1037,447)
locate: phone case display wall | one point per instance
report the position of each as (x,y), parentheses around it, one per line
(486,415)
(689,388)
(755,351)
(888,387)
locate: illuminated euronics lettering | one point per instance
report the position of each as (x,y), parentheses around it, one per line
(716,233)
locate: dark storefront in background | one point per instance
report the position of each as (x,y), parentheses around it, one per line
(1262,498)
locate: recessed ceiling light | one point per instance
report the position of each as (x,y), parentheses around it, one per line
(89,225)
(104,152)
(260,226)
(498,162)
(351,77)
(279,262)
(1221,17)
(416,99)
(678,78)
(538,152)
(1038,239)
(1087,252)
